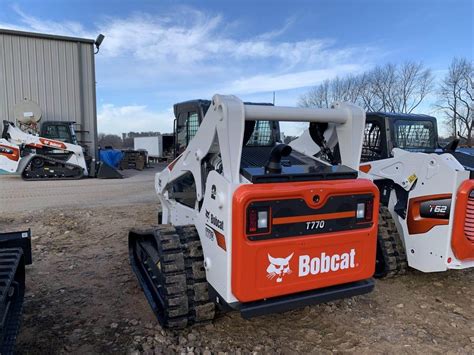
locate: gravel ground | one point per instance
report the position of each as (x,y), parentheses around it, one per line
(137,187)
(83,298)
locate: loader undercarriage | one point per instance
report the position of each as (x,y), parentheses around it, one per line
(42,167)
(169,264)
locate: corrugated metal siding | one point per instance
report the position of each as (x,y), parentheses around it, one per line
(58,75)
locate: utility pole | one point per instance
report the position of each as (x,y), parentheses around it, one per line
(274,98)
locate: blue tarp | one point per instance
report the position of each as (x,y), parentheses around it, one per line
(111,157)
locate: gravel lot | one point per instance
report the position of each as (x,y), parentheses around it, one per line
(83,298)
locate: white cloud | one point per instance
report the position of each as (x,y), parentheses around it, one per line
(279,31)
(265,83)
(194,54)
(34,24)
(200,38)
(133,118)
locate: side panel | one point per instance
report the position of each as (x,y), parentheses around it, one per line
(9,157)
(214,224)
(462,241)
(428,179)
(320,245)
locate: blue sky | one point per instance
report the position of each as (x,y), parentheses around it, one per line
(156,53)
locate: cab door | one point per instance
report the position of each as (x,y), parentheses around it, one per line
(188,118)
(376,145)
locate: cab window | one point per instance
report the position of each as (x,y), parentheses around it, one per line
(63,134)
(263,135)
(193,125)
(411,134)
(372,146)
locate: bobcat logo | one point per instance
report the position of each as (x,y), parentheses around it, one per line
(278,267)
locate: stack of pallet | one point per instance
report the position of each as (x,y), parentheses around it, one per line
(133,159)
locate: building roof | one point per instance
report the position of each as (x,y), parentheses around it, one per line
(45,36)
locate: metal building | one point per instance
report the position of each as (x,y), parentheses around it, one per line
(56,72)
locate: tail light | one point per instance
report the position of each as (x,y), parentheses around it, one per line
(365,211)
(258,220)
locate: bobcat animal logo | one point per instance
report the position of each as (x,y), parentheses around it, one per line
(278,267)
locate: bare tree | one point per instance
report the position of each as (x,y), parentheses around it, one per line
(317,96)
(388,88)
(456,99)
(110,140)
(414,84)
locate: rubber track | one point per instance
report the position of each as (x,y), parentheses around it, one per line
(392,247)
(182,276)
(12,264)
(173,271)
(201,309)
(47,158)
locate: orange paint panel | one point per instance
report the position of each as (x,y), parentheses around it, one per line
(462,240)
(365,168)
(52,143)
(173,163)
(416,223)
(14,155)
(281,266)
(34,145)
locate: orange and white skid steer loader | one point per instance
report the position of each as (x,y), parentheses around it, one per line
(252,224)
(39,158)
(426,192)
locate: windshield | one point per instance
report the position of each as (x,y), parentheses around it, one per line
(263,134)
(411,134)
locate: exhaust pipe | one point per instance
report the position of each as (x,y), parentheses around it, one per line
(274,163)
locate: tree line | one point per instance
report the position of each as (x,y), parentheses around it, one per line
(403,88)
(124,142)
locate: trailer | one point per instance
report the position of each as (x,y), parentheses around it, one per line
(153,145)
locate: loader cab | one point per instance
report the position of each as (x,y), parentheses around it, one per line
(189,115)
(385,131)
(61,131)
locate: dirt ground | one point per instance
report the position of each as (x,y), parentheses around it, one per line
(82,297)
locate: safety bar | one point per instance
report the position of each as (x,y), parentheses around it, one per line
(295,114)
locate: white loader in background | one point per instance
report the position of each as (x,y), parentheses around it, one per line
(39,158)
(426,192)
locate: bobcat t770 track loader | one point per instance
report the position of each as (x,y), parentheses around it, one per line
(252,224)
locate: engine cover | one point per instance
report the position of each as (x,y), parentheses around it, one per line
(318,234)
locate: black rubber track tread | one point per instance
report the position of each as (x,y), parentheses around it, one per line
(79,175)
(173,277)
(201,308)
(391,250)
(179,275)
(12,278)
